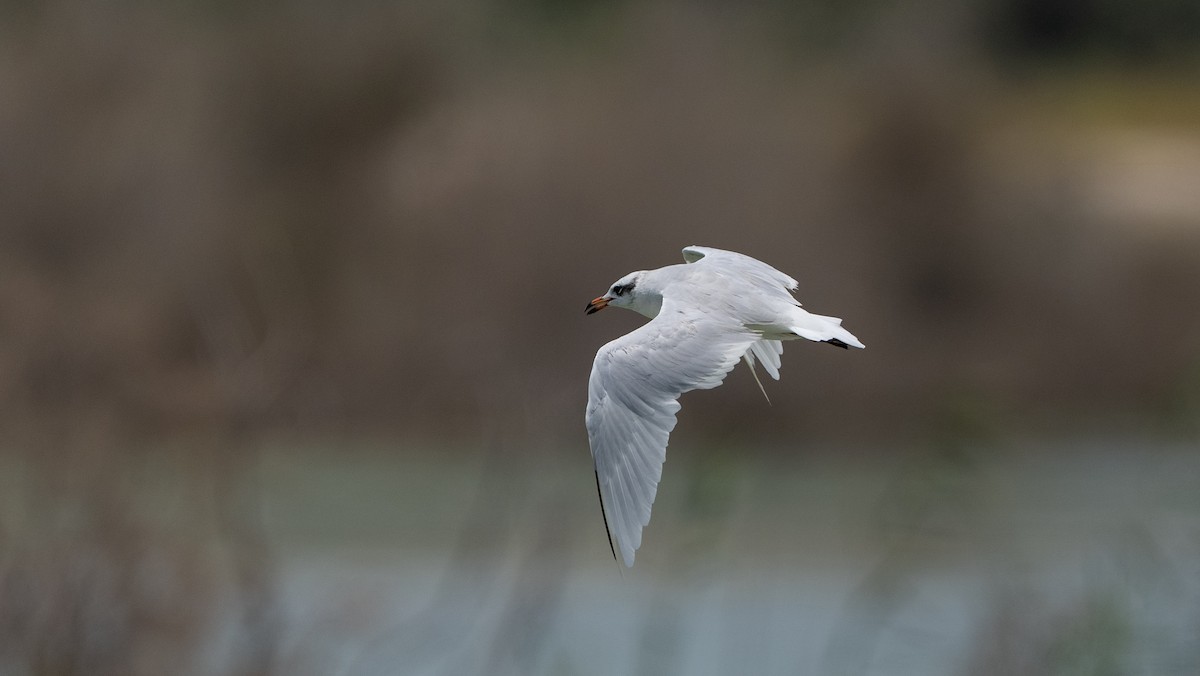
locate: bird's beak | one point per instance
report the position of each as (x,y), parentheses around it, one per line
(597,305)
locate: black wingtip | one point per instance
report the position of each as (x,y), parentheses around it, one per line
(837,343)
(604,516)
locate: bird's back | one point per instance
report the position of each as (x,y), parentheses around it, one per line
(734,289)
(746,290)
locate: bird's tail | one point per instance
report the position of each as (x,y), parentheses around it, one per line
(823,329)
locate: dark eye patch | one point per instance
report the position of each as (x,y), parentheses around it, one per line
(618,290)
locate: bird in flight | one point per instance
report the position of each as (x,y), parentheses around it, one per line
(705,315)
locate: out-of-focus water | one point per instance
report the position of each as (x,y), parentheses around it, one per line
(1063,558)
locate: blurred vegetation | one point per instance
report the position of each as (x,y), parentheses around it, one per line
(291,215)
(1138,33)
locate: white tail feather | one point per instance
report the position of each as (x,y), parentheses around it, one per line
(823,329)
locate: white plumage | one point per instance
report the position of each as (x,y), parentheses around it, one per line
(705,316)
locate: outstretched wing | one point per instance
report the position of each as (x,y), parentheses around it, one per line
(632,401)
(763,276)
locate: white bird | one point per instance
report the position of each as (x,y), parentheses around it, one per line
(704,316)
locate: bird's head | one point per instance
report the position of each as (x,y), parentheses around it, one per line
(624,293)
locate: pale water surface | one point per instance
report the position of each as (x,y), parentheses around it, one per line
(1079,558)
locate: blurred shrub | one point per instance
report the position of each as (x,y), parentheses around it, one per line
(1130,32)
(386,219)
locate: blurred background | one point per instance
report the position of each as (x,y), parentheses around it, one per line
(293,360)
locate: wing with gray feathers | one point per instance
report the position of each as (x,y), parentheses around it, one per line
(633,397)
(764,276)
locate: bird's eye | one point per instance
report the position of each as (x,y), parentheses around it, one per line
(618,290)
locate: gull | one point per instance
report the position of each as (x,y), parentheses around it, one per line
(706,314)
